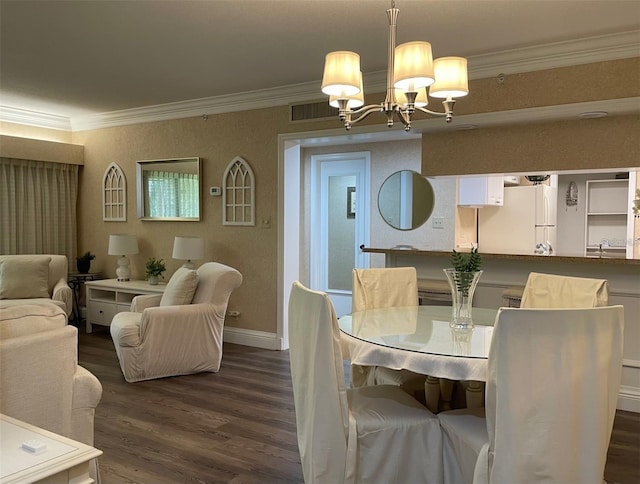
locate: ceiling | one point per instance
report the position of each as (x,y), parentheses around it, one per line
(78,58)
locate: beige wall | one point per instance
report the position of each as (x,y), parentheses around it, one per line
(217,141)
(610,142)
(253,135)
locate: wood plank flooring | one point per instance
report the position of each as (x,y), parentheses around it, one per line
(236,426)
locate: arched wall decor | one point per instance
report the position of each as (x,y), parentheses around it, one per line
(238,194)
(114,194)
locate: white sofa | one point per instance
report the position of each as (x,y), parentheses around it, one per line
(41,382)
(35,279)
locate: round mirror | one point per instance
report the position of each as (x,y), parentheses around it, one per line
(406,200)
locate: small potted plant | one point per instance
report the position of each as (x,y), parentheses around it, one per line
(83,262)
(154,268)
(463,279)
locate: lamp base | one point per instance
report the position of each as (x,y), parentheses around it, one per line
(189,265)
(123,272)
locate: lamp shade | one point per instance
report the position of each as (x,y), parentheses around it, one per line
(353,102)
(123,244)
(341,74)
(188,248)
(451,78)
(413,66)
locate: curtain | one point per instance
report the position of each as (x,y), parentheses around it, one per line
(173,194)
(38,208)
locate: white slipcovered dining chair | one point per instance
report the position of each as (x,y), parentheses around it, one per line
(179,332)
(554,291)
(552,387)
(385,288)
(375,434)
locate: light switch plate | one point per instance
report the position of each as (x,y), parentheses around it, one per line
(437,222)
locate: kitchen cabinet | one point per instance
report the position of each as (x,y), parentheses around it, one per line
(607,218)
(478,191)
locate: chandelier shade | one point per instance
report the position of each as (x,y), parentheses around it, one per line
(410,70)
(413,66)
(342,76)
(451,78)
(353,102)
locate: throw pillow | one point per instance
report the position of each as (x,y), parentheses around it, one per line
(24,278)
(181,288)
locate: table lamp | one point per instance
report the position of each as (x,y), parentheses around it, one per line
(123,245)
(188,248)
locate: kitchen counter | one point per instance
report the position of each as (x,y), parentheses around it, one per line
(537,258)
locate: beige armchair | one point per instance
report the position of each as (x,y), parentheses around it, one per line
(173,334)
(40,380)
(35,279)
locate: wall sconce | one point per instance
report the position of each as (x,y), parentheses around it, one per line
(188,248)
(123,245)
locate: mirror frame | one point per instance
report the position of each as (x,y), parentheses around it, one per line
(428,186)
(140,189)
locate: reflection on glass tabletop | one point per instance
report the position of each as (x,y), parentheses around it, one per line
(423,329)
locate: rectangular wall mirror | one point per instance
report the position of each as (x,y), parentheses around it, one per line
(169,190)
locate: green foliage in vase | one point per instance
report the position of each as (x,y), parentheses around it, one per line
(467,264)
(154,267)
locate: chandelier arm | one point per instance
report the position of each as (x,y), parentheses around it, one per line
(365,111)
(405,118)
(428,111)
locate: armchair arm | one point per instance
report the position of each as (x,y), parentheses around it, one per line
(62,292)
(181,330)
(87,392)
(144,301)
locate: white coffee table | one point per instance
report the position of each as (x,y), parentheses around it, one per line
(64,460)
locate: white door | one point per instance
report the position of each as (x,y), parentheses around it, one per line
(339,223)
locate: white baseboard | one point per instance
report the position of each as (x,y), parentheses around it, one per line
(249,337)
(629,399)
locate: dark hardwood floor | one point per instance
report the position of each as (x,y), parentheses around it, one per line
(236,426)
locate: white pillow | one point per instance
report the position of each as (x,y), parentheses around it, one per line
(24,278)
(181,288)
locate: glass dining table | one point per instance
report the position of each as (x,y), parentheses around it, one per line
(420,339)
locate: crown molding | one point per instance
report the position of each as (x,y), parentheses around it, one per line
(34,118)
(548,56)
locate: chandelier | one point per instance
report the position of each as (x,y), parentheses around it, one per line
(411,69)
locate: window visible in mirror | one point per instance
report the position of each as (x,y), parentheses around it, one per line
(169,189)
(406,200)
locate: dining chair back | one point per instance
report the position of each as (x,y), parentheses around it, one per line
(379,288)
(369,434)
(384,288)
(552,387)
(553,291)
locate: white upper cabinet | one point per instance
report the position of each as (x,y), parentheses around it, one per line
(478,191)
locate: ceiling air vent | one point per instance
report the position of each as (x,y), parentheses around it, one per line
(310,111)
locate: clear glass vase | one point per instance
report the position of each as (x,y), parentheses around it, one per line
(463,285)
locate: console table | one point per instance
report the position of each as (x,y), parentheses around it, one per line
(63,459)
(107,297)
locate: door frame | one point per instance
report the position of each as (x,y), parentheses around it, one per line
(323,166)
